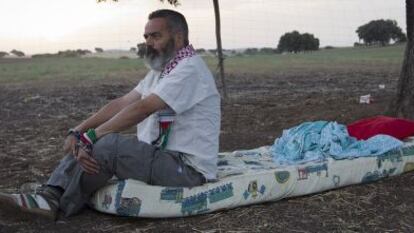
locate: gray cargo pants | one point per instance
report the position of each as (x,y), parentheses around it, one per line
(126,158)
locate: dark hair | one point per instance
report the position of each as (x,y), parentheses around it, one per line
(175,21)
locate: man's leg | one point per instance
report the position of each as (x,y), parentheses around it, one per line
(63,173)
(169,169)
(109,153)
(125,157)
(128,158)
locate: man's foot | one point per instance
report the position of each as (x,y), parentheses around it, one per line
(43,202)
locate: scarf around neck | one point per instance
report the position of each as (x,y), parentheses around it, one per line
(185,52)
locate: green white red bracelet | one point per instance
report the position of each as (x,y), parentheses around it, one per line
(91,136)
(86,140)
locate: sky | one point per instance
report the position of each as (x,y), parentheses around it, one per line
(48,26)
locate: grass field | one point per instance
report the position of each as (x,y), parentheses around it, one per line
(323,59)
(66,68)
(97,68)
(266,95)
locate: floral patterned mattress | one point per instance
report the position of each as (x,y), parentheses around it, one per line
(248,177)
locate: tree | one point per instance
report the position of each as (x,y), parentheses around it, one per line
(82,52)
(68,53)
(213,51)
(267,50)
(219,47)
(296,42)
(17,53)
(3,54)
(403,103)
(289,42)
(133,49)
(99,50)
(251,51)
(200,51)
(43,55)
(380,32)
(308,42)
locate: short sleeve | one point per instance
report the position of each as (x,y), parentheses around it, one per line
(183,88)
(145,84)
(140,87)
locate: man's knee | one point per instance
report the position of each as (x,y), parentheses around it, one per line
(105,147)
(107,141)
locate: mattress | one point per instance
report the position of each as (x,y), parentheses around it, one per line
(247,177)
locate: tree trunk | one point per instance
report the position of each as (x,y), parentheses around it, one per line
(403,103)
(219,48)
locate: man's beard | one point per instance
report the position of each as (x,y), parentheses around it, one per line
(156,60)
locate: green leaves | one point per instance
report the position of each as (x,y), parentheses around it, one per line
(296,42)
(380,32)
(172,2)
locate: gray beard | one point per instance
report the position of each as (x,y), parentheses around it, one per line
(158,62)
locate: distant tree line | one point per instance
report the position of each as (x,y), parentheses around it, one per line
(376,32)
(15,52)
(65,53)
(247,51)
(3,54)
(99,50)
(380,32)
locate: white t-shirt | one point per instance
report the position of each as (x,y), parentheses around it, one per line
(190,91)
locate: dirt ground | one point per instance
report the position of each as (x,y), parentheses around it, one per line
(34,117)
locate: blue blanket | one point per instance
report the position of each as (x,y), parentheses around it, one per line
(320,139)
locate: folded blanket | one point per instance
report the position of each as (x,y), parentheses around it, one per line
(321,139)
(396,127)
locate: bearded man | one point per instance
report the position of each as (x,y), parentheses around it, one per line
(176,108)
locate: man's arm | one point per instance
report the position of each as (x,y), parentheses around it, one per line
(108,111)
(131,115)
(103,115)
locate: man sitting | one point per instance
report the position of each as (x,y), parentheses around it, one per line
(176,108)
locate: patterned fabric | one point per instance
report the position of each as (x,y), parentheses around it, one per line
(185,52)
(249,177)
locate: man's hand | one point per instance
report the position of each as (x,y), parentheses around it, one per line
(86,162)
(70,144)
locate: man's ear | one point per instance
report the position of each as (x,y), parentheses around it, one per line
(179,39)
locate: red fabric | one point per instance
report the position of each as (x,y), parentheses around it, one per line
(396,127)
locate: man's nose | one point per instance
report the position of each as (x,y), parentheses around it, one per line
(149,41)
